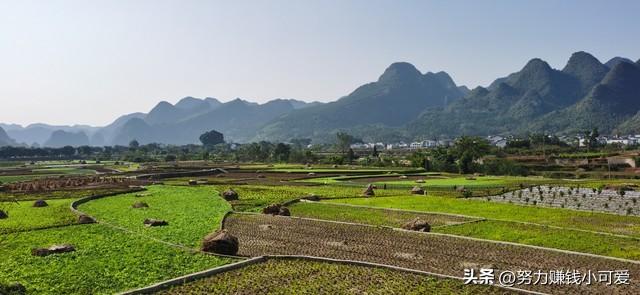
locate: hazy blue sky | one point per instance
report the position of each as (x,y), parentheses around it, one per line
(87,62)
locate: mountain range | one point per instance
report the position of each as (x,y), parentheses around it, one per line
(403,104)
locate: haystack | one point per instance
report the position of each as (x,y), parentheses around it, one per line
(154,222)
(85,219)
(276,209)
(138,205)
(40,203)
(13,288)
(416,190)
(368,191)
(417,224)
(229,195)
(55,249)
(311,197)
(221,242)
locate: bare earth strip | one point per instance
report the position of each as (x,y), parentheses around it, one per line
(274,235)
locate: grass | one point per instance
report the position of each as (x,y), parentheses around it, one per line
(602,222)
(106,261)
(285,276)
(192,212)
(24,217)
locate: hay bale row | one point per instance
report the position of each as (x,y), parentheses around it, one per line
(220,242)
(55,249)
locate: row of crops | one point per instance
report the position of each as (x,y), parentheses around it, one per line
(261,234)
(284,276)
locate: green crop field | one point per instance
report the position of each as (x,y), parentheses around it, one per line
(601,222)
(536,235)
(120,253)
(23,216)
(192,212)
(297,276)
(106,261)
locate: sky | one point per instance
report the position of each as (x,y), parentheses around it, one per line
(88,62)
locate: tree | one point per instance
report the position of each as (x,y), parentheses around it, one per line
(591,138)
(375,151)
(281,152)
(351,155)
(300,142)
(344,141)
(211,138)
(467,150)
(134,144)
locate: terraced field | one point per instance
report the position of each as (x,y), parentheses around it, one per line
(109,259)
(106,261)
(587,199)
(24,217)
(254,198)
(282,276)
(379,217)
(273,235)
(498,230)
(590,221)
(120,253)
(192,212)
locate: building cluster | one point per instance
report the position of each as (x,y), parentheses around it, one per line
(617,139)
(494,140)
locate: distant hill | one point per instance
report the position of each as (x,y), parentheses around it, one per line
(60,138)
(400,95)
(583,95)
(616,60)
(5,139)
(402,104)
(39,133)
(188,119)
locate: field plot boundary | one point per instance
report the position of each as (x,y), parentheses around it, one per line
(448,235)
(487,219)
(81,201)
(261,259)
(194,276)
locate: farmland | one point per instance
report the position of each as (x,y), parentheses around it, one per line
(106,261)
(508,231)
(334,221)
(278,276)
(591,221)
(25,217)
(192,212)
(273,235)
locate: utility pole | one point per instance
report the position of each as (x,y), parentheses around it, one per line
(544,152)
